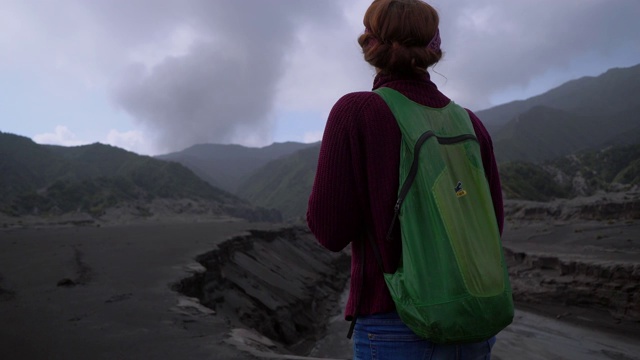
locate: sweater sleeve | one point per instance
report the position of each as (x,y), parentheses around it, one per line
(333,213)
(490,167)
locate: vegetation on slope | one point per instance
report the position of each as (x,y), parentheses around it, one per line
(615,90)
(543,133)
(227,166)
(284,184)
(41,179)
(580,174)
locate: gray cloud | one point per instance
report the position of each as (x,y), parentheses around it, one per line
(223,89)
(198,71)
(492,45)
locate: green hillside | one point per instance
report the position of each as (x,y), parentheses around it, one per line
(283,184)
(227,166)
(583,173)
(615,90)
(544,133)
(584,114)
(44,179)
(25,165)
(527,181)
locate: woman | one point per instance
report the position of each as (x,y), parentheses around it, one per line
(357,178)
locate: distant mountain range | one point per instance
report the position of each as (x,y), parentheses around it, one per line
(581,174)
(284,184)
(615,90)
(227,166)
(45,179)
(583,114)
(573,140)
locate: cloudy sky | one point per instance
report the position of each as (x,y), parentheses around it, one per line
(155,76)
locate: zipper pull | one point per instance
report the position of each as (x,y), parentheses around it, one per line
(396,212)
(396,209)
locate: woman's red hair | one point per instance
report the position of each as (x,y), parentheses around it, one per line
(397,34)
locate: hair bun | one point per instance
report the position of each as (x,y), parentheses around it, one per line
(401,37)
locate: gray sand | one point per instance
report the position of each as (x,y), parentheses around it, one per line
(122,306)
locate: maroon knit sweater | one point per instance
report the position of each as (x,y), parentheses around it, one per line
(356,184)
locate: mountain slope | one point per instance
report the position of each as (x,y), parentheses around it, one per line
(284,184)
(24,165)
(544,133)
(44,179)
(615,90)
(226,166)
(580,174)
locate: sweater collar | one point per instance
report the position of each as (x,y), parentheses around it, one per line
(382,80)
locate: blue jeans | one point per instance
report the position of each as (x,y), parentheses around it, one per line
(385,336)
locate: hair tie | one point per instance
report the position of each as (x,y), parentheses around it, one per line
(435,42)
(372,39)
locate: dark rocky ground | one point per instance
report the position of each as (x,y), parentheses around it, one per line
(138,290)
(281,284)
(105,293)
(579,260)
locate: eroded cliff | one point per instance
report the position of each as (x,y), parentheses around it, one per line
(611,287)
(280,283)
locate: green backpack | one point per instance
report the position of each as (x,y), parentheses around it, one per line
(452,285)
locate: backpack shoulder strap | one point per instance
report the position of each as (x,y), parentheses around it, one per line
(416,133)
